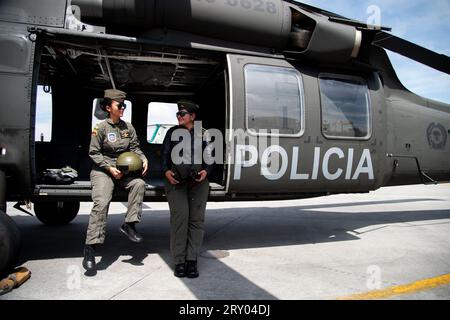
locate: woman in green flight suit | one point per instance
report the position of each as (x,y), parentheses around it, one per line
(109,140)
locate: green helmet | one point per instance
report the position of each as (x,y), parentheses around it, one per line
(129,162)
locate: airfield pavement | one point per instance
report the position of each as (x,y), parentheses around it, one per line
(393,243)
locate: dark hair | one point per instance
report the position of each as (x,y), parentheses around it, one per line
(104,103)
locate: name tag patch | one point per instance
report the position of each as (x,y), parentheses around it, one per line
(125,134)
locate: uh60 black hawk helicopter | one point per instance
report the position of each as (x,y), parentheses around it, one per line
(318,84)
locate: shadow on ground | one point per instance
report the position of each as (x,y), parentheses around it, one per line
(226,229)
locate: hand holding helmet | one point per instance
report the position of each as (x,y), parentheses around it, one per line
(116,173)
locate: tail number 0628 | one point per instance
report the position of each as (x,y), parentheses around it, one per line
(257,5)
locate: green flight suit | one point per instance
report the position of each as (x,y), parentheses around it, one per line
(108,141)
(187,203)
(188,199)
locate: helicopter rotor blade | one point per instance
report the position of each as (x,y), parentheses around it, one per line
(413,51)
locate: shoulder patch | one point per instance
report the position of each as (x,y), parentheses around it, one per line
(112,137)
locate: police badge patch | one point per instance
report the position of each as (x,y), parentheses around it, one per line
(112,137)
(437,136)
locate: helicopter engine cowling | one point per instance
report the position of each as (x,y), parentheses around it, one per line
(263,22)
(274,24)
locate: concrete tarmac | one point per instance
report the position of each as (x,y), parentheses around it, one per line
(323,248)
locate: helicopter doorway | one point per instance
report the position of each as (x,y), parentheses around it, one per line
(76,69)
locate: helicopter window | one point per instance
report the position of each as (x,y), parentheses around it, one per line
(98,115)
(274,100)
(161,117)
(345,107)
(44,111)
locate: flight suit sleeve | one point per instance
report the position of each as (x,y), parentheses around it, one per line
(208,159)
(166,161)
(135,145)
(95,148)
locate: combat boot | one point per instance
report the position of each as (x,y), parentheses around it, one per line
(191,269)
(180,270)
(89,258)
(129,230)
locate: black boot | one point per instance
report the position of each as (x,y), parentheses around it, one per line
(89,258)
(180,270)
(129,230)
(191,269)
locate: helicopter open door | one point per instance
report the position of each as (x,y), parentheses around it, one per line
(298,129)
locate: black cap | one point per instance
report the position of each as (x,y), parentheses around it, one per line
(189,106)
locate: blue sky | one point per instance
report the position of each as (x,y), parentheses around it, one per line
(426,23)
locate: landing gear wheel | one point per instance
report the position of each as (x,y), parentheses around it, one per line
(10,242)
(57,213)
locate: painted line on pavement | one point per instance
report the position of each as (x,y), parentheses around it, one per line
(410,288)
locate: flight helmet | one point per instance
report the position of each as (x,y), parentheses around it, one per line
(129,162)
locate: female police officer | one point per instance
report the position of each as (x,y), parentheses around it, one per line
(187,188)
(111,138)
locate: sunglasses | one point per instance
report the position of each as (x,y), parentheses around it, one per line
(182,113)
(121,106)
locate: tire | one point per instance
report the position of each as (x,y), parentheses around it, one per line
(10,243)
(56,213)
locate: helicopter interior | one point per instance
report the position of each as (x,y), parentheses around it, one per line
(77,74)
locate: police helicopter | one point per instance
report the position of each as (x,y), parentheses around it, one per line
(304,102)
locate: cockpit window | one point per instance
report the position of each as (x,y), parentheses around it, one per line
(44,111)
(345,107)
(274,100)
(160,118)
